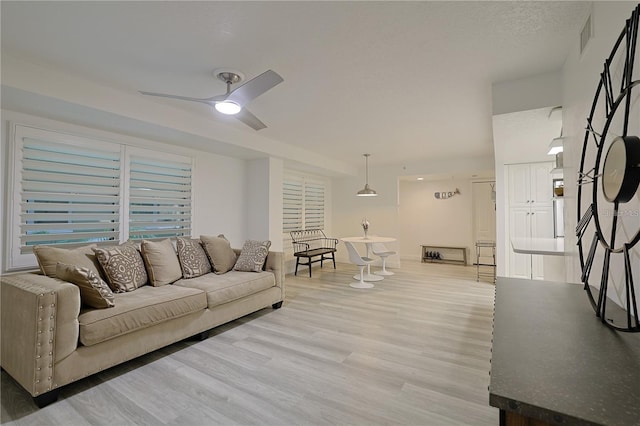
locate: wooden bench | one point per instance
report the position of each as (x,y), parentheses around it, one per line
(313,245)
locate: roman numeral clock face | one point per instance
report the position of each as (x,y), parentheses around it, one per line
(608,200)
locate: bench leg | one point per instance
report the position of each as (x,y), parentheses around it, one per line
(297,261)
(309,265)
(333,256)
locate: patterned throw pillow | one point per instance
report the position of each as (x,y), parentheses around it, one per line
(94,291)
(220,253)
(123,267)
(252,256)
(161,261)
(192,257)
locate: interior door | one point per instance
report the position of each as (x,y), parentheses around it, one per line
(484,211)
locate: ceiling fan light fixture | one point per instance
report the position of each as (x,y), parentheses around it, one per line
(367,191)
(227,107)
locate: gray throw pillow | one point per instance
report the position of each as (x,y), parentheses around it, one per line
(192,257)
(220,253)
(123,266)
(252,256)
(94,292)
(161,261)
(49,257)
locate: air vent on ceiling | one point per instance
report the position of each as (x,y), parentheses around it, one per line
(586,34)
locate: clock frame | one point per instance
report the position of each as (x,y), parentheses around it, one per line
(608,203)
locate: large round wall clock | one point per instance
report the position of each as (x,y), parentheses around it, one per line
(608,201)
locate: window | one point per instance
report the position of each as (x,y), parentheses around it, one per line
(69,195)
(303,203)
(70,191)
(159,198)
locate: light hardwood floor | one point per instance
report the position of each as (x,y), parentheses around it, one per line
(414,350)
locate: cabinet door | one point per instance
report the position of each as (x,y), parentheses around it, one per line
(519,185)
(520,226)
(541,222)
(541,184)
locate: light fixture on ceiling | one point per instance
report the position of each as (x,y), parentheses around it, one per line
(420,178)
(227,107)
(556,146)
(367,192)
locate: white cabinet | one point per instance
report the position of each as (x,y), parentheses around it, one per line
(530,185)
(530,214)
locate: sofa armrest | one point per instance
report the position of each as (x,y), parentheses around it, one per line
(39,327)
(275,264)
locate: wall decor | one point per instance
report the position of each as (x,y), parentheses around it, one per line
(608,204)
(445,195)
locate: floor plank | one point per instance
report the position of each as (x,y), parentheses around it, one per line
(412,350)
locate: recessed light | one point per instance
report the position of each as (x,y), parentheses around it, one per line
(420,178)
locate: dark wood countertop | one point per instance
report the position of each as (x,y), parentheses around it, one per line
(553,360)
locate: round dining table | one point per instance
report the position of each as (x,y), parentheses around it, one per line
(368,240)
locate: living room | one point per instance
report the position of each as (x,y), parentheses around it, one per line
(76,69)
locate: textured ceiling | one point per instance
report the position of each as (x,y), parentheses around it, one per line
(401,80)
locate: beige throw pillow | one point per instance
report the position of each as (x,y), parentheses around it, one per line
(48,258)
(94,292)
(192,257)
(252,256)
(220,253)
(161,261)
(123,267)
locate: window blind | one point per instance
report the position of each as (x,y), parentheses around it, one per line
(159,198)
(292,204)
(303,204)
(68,195)
(313,205)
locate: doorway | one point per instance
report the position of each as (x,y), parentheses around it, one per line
(484,210)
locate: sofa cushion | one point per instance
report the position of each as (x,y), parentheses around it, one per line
(139,309)
(161,262)
(48,258)
(94,291)
(192,257)
(123,267)
(230,286)
(220,253)
(252,256)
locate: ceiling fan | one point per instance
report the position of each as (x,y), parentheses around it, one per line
(234,101)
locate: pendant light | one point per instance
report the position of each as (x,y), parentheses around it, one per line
(367,192)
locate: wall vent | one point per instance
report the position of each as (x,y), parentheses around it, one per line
(586,34)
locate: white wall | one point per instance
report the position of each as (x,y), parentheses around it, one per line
(219,183)
(427,220)
(580,78)
(264,203)
(528,93)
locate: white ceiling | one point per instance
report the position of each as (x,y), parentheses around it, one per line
(401,80)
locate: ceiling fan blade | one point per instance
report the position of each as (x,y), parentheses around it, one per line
(249,119)
(255,87)
(209,101)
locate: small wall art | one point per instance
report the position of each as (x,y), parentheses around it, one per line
(444,195)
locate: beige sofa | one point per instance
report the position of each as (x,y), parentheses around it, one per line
(49,339)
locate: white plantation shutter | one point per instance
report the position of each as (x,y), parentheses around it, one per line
(303,204)
(292,204)
(69,195)
(314,205)
(159,197)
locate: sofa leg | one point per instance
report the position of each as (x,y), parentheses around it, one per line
(277,305)
(202,336)
(46,398)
